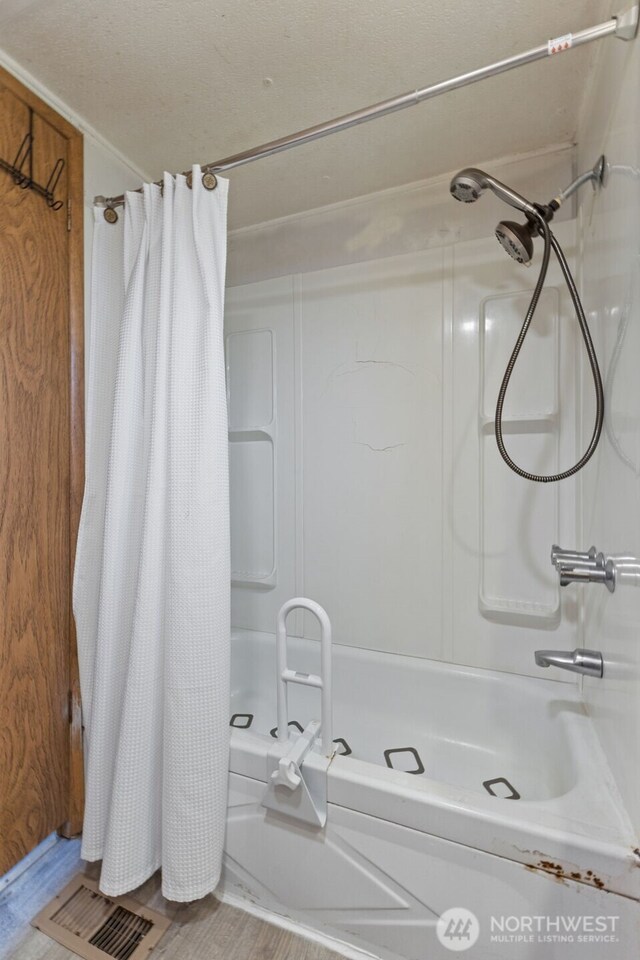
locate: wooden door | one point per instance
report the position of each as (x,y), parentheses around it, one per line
(40,478)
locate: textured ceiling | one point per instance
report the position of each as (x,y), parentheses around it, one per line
(171,83)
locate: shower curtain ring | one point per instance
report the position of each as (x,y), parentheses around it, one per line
(110,215)
(209,180)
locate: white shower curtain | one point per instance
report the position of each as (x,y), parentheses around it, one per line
(152,575)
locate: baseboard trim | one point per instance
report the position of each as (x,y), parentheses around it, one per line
(28,861)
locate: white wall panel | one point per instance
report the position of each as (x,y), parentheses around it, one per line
(533,390)
(610,228)
(253,509)
(505,593)
(259,342)
(373,385)
(250,362)
(372,450)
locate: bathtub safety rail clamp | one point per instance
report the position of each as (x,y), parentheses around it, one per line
(297,769)
(287,773)
(297,779)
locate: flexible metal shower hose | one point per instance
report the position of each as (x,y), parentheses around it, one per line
(549,242)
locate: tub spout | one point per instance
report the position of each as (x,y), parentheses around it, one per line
(579,660)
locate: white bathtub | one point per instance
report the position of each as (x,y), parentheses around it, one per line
(399,848)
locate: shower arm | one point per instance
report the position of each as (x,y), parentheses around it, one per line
(623,25)
(596,176)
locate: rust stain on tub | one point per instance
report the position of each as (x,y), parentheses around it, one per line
(562,874)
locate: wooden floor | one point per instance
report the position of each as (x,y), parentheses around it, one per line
(205,930)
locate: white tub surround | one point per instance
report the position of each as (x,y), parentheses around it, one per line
(364,468)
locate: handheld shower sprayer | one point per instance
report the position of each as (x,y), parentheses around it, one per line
(470,184)
(517,240)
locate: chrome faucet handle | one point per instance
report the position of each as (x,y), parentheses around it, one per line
(597,563)
(573,558)
(601,572)
(593,563)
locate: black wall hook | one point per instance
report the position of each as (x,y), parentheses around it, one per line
(24,179)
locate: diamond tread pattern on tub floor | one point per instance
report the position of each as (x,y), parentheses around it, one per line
(402,759)
(95,926)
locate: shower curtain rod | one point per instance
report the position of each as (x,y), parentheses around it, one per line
(624,26)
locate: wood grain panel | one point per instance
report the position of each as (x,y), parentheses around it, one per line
(38,501)
(73,824)
(26,96)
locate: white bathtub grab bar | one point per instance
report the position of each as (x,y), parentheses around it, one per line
(286,676)
(296,772)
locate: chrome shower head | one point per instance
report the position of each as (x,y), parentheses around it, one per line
(517,239)
(469,184)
